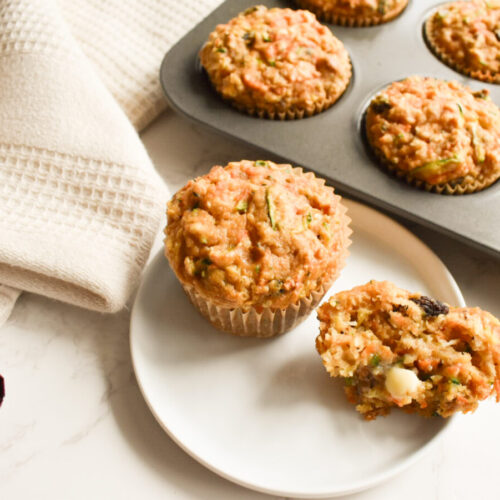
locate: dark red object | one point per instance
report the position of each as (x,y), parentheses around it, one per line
(431,307)
(2,390)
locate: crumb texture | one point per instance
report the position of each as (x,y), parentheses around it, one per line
(256,234)
(276,61)
(394,348)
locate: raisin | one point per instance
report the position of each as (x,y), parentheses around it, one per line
(2,390)
(250,10)
(249,37)
(430,306)
(481,94)
(381,105)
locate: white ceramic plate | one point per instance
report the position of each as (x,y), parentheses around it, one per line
(264,413)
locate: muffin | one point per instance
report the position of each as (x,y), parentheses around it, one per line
(437,135)
(466,37)
(394,348)
(276,63)
(355,12)
(256,245)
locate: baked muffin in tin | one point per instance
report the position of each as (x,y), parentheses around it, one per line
(276,63)
(256,245)
(466,37)
(355,12)
(396,348)
(435,134)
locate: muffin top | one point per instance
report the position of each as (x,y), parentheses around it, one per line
(374,10)
(436,131)
(467,36)
(256,234)
(358,7)
(276,60)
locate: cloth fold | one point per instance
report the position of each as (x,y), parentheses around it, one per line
(80,201)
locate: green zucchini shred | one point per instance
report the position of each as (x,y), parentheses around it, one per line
(271,209)
(242,206)
(436,166)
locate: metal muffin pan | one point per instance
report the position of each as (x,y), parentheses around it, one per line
(331,143)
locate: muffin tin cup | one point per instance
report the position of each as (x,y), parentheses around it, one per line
(251,323)
(350,21)
(274,111)
(483,76)
(464,185)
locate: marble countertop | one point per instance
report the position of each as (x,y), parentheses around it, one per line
(74,424)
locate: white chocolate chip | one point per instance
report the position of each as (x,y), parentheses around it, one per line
(401,383)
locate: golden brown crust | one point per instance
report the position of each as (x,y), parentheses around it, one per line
(459,43)
(276,63)
(343,14)
(436,135)
(256,234)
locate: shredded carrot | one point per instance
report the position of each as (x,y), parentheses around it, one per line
(369,349)
(427,364)
(452,371)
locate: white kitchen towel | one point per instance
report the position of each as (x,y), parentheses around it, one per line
(80,202)
(126,41)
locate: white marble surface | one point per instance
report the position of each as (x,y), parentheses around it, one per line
(74,424)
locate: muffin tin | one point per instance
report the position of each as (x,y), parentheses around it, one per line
(332,142)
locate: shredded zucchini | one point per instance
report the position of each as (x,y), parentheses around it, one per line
(271,209)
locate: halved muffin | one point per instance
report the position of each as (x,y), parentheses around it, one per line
(435,134)
(396,348)
(256,244)
(276,63)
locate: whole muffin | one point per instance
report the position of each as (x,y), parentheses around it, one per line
(256,245)
(396,348)
(355,12)
(466,37)
(437,135)
(276,63)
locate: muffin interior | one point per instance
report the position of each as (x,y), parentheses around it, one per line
(377,336)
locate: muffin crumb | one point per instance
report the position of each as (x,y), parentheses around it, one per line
(394,348)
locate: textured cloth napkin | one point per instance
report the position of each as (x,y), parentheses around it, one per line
(80,202)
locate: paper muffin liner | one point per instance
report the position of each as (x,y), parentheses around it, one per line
(267,322)
(291,113)
(463,185)
(251,323)
(433,44)
(353,21)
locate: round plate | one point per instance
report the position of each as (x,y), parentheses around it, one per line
(264,413)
